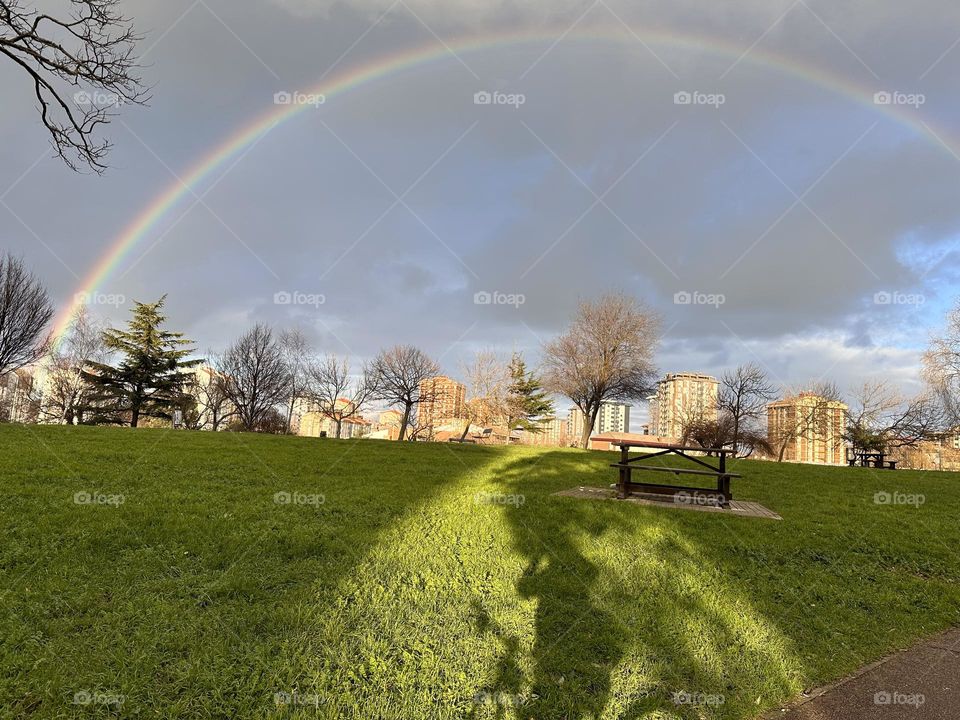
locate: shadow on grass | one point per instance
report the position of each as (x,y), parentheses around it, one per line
(633,614)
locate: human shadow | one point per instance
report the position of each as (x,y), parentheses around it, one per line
(628,619)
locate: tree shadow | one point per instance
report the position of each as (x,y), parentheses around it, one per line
(630,617)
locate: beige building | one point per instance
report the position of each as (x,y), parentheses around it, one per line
(680,398)
(808,428)
(313,423)
(555,433)
(443,401)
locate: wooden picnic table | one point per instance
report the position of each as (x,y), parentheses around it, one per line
(870,459)
(718,472)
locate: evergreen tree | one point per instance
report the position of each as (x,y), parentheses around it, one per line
(528,404)
(152,374)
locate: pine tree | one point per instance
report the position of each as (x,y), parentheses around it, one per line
(529,405)
(152,374)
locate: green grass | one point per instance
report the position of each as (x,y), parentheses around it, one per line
(401,596)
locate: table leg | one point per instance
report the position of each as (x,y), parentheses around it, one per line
(624,473)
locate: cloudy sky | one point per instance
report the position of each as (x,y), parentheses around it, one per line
(731,164)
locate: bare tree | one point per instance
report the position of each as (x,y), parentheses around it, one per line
(89,52)
(810,417)
(881,417)
(335,393)
(68,395)
(488,380)
(256,377)
(605,355)
(209,390)
(25,311)
(941,367)
(296,350)
(719,433)
(398,374)
(743,397)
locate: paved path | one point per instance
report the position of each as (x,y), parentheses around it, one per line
(922,683)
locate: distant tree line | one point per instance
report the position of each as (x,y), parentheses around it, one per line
(147,373)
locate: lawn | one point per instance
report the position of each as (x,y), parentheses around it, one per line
(155,573)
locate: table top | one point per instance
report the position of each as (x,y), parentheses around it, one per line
(667,446)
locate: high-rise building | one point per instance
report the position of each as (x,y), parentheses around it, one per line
(809,428)
(612,417)
(680,398)
(442,400)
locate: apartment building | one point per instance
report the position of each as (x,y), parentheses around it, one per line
(808,428)
(680,398)
(443,400)
(612,418)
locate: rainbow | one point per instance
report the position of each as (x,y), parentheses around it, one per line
(355,77)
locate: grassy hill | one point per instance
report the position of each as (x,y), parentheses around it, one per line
(155,573)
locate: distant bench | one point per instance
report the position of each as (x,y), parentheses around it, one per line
(628,464)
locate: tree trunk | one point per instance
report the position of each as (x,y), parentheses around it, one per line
(293,399)
(588,421)
(134,415)
(466,429)
(339,425)
(406,419)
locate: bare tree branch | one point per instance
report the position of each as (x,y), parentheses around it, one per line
(89,51)
(606,354)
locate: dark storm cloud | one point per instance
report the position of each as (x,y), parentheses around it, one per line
(503,195)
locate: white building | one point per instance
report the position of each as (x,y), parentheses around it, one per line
(613,417)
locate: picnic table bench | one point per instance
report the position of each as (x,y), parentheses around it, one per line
(870,459)
(627,465)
